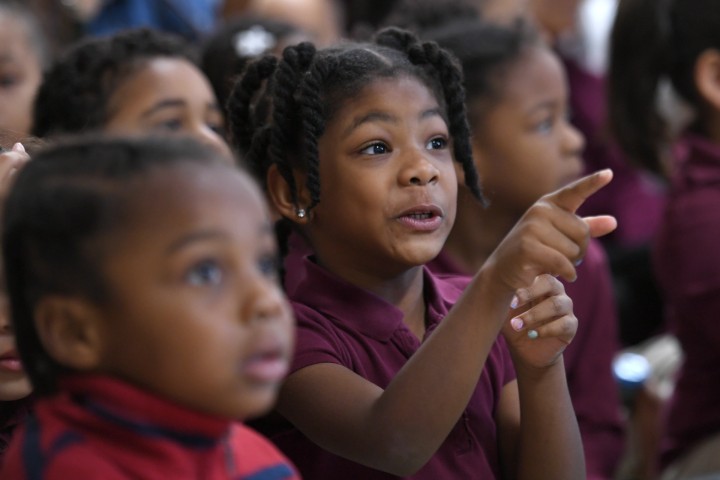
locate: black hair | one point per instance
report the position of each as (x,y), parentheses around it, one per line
(279,108)
(420,15)
(227,51)
(58,208)
(35,35)
(74,93)
(652,40)
(486,51)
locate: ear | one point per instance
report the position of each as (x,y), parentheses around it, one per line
(69,329)
(707,77)
(281,196)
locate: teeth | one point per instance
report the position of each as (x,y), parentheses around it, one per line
(420,216)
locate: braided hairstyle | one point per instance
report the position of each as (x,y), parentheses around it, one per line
(653,40)
(279,108)
(73,96)
(59,208)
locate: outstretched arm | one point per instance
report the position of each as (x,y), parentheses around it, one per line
(399,429)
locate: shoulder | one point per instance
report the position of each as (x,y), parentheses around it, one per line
(256,455)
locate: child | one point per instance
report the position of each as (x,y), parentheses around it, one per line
(229,49)
(137,81)
(14,385)
(143,292)
(524,147)
(677,42)
(357,144)
(22,57)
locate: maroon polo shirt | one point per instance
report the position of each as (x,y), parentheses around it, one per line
(687,263)
(99,427)
(342,324)
(588,361)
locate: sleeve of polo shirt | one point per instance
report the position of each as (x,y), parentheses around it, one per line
(316,340)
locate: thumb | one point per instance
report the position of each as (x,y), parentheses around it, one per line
(600,225)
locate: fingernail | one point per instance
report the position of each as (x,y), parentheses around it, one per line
(532,334)
(517,323)
(578,262)
(18,147)
(514,302)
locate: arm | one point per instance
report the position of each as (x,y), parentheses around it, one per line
(399,429)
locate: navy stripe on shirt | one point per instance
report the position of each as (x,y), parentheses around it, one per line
(34,460)
(150,430)
(276,472)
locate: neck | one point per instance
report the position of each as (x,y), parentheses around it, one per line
(477,231)
(404,290)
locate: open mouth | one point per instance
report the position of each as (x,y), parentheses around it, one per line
(422,218)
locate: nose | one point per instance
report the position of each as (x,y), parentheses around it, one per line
(267,302)
(573,139)
(210,137)
(418,169)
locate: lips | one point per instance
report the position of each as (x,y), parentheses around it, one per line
(267,364)
(423,218)
(11,362)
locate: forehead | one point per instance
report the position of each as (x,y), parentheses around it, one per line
(14,35)
(536,73)
(191,190)
(161,77)
(389,93)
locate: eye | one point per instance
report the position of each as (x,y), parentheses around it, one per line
(545,126)
(173,125)
(437,143)
(205,273)
(269,265)
(377,148)
(7,81)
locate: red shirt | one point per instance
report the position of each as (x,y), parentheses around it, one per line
(346,325)
(101,428)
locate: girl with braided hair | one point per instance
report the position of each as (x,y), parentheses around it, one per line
(398,371)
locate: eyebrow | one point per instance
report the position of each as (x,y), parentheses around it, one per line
(376,116)
(266,228)
(195,237)
(174,103)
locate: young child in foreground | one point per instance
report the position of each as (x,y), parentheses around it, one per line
(400,372)
(142,288)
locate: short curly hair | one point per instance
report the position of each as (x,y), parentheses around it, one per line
(73,96)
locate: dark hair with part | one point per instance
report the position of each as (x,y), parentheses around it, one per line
(279,108)
(235,43)
(653,40)
(74,94)
(59,206)
(486,51)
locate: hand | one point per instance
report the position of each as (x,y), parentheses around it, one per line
(10,162)
(542,323)
(550,238)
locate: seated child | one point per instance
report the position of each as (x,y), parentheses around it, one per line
(134,82)
(143,291)
(398,371)
(14,385)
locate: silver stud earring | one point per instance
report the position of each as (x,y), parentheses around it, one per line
(300,212)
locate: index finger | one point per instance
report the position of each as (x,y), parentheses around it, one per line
(571,196)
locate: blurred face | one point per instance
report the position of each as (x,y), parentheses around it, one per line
(555,16)
(14,385)
(20,75)
(320,19)
(524,145)
(167,95)
(197,314)
(388,183)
